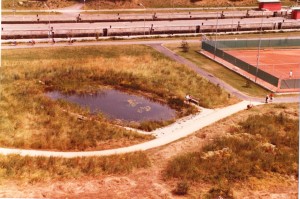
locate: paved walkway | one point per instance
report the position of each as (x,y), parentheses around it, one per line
(173,132)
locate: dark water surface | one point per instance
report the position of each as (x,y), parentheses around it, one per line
(120,105)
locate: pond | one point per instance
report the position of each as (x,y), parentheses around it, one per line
(119,105)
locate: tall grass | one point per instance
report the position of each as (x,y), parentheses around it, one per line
(261,144)
(34,169)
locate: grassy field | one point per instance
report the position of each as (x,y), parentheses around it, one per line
(96,4)
(218,70)
(264,144)
(28,119)
(112,4)
(35,5)
(39,169)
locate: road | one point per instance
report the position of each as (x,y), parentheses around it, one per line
(139,24)
(141,10)
(116,24)
(150,15)
(173,132)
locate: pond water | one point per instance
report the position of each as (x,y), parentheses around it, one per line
(120,105)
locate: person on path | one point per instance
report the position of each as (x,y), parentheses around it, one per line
(267,97)
(271,97)
(291,74)
(188,98)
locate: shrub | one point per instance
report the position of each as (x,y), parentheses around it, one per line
(182,188)
(185,46)
(219,192)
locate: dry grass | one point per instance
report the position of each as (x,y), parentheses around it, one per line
(95,4)
(262,145)
(117,4)
(32,5)
(37,169)
(221,72)
(28,119)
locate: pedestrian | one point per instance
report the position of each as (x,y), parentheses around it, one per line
(188,98)
(267,97)
(271,97)
(291,74)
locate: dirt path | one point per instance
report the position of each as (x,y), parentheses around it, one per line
(73,10)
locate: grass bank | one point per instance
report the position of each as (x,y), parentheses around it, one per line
(39,169)
(112,4)
(217,70)
(28,119)
(95,4)
(263,144)
(36,5)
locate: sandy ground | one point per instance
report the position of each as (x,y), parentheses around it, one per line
(149,183)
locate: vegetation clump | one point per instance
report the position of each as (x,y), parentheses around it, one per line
(182,188)
(185,46)
(219,192)
(260,145)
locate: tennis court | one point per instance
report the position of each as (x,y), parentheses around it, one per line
(278,62)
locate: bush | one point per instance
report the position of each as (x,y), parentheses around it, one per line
(182,188)
(219,192)
(185,46)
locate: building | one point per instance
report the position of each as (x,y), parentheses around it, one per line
(296,13)
(272,5)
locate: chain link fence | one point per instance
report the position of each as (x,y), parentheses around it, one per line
(281,81)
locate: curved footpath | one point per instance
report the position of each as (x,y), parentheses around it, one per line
(171,133)
(168,134)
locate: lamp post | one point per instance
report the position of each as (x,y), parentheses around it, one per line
(49,23)
(140,4)
(14,8)
(216,35)
(259,45)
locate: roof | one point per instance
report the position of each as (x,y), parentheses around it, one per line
(269,1)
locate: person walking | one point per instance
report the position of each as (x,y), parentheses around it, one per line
(267,97)
(188,98)
(271,97)
(291,74)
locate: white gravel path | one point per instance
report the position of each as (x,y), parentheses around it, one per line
(171,133)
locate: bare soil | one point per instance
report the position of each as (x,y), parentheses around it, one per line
(149,183)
